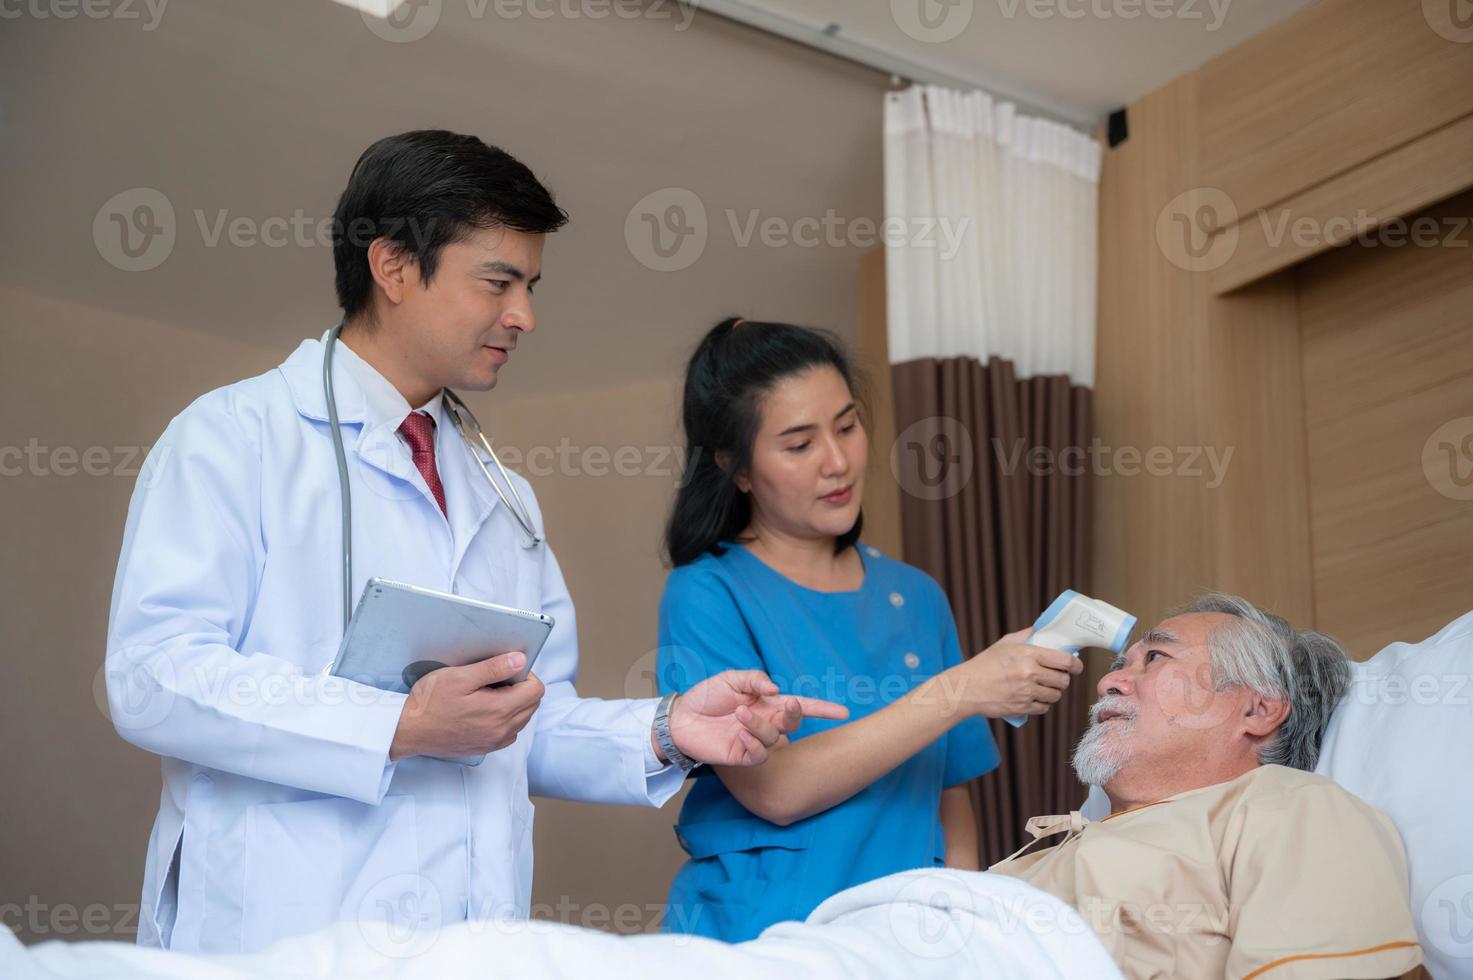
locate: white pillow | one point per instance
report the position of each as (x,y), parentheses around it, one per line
(1402,740)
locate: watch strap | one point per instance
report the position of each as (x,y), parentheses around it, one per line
(664,739)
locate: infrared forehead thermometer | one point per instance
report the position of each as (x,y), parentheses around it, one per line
(1075,621)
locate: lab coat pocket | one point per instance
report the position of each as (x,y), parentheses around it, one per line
(293,869)
(311,862)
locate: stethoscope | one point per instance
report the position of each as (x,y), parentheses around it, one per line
(465,424)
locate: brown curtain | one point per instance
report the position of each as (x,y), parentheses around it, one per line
(995,505)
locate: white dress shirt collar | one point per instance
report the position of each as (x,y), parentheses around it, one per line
(383,402)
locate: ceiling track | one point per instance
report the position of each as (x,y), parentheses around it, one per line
(830,39)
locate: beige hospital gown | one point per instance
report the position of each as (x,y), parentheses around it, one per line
(1278,874)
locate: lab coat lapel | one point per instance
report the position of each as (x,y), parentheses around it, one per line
(376,445)
(471,500)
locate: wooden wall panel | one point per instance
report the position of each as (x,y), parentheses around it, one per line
(1324,91)
(1259,515)
(1403,181)
(1151,541)
(1387,338)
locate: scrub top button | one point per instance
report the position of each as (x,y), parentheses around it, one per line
(872,551)
(912,661)
(897,600)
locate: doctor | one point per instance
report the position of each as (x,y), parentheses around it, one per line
(292,799)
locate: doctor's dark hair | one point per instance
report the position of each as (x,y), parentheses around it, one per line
(424,190)
(732,370)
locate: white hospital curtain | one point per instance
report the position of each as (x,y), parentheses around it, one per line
(990,277)
(992,242)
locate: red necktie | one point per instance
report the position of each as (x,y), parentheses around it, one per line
(419,431)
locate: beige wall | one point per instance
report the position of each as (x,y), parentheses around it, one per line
(96,357)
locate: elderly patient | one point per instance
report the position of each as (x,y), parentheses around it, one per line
(1224,855)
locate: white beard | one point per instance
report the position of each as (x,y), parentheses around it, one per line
(1103,752)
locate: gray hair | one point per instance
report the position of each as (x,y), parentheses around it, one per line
(1262,652)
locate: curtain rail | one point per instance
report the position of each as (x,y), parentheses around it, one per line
(830,39)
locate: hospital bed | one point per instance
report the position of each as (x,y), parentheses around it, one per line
(1400,740)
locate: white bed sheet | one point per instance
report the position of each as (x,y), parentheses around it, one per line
(917,925)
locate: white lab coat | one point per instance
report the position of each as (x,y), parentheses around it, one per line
(280,811)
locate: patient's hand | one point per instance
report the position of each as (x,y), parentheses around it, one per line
(1012,678)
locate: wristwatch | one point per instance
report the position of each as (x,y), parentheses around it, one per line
(663,739)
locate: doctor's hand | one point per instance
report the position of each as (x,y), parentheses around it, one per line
(1012,677)
(452,712)
(733,718)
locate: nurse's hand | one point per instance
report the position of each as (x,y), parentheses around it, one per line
(1013,678)
(453,712)
(733,718)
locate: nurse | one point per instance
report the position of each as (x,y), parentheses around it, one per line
(292,799)
(770,575)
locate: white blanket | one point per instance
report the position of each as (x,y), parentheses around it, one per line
(917,925)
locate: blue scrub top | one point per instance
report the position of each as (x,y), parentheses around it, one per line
(863,649)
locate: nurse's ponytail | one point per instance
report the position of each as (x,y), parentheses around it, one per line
(737,363)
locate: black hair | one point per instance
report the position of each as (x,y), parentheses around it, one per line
(424,190)
(736,365)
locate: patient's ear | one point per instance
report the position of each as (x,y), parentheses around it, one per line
(1263,716)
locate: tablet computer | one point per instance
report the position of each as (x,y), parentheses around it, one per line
(401,632)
